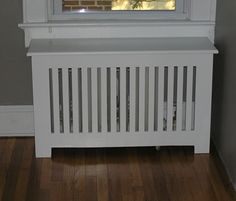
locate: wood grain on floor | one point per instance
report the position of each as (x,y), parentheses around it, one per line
(114,174)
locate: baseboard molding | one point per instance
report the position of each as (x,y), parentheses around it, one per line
(16,120)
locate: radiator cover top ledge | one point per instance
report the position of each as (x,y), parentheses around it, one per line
(120,45)
(121,92)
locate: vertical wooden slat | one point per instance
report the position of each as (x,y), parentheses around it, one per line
(189,98)
(56,100)
(194,98)
(75,100)
(170,98)
(123,99)
(179,118)
(66,116)
(132,101)
(94,100)
(85,100)
(151,99)
(113,99)
(104,98)
(141,98)
(160,98)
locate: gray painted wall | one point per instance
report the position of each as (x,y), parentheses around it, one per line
(15,70)
(224,93)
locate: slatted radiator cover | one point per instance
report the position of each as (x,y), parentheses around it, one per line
(122,92)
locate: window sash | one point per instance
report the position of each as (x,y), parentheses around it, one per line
(56,13)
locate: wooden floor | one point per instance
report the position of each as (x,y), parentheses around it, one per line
(124,174)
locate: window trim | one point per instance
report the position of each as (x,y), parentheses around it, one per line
(179,14)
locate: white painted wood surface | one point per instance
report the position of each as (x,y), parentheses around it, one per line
(94,100)
(160,101)
(38,24)
(113,99)
(120,45)
(132,113)
(56,100)
(116,60)
(16,120)
(123,99)
(75,100)
(189,98)
(85,99)
(140,29)
(104,99)
(65,99)
(179,117)
(151,99)
(37,11)
(141,98)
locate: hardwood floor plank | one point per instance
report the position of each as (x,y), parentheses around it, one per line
(183,174)
(126,177)
(67,192)
(57,172)
(13,171)
(57,175)
(33,189)
(114,177)
(134,168)
(159,176)
(6,149)
(114,174)
(24,173)
(45,179)
(56,191)
(90,175)
(203,178)
(80,177)
(147,175)
(102,176)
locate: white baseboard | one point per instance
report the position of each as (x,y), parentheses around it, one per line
(16,120)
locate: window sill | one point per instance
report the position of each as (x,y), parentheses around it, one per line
(88,22)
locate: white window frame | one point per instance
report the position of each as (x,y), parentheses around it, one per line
(55,13)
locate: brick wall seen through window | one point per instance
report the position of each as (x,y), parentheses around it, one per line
(108,5)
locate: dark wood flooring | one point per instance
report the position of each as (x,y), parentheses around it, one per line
(116,174)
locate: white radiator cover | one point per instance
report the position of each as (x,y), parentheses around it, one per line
(122,92)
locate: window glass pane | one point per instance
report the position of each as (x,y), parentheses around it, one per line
(109,5)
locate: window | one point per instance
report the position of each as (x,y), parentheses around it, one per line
(127,9)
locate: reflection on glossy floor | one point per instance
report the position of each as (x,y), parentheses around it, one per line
(117,174)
